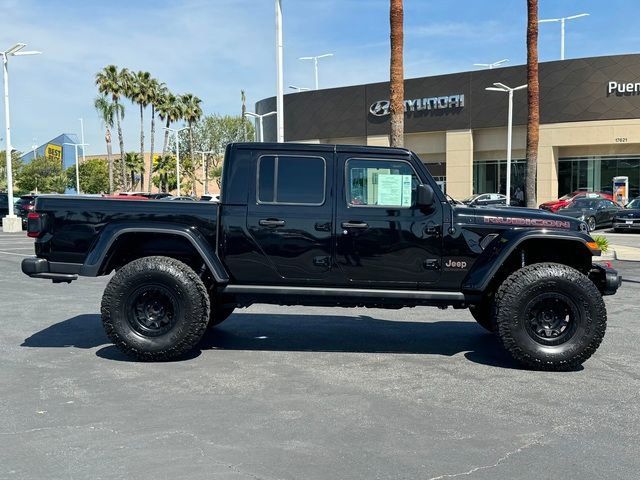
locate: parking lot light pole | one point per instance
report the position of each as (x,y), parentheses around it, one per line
(315,64)
(260,126)
(10,223)
(279,74)
(75,147)
(562,21)
(493,65)
(501,87)
(176,131)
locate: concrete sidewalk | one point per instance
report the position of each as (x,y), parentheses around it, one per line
(622,252)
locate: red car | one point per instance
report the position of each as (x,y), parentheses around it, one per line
(555,205)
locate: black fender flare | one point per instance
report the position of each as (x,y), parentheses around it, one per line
(96,258)
(501,247)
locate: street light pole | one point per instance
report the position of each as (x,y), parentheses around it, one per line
(10,223)
(298,89)
(315,64)
(176,131)
(493,65)
(75,147)
(280,74)
(259,118)
(501,87)
(563,21)
(82,138)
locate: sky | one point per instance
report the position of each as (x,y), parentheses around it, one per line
(215,48)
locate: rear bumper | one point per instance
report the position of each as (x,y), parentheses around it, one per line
(41,268)
(622,225)
(607,279)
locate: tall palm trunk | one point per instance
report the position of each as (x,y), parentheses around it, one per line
(123,169)
(166,137)
(193,161)
(142,146)
(153,136)
(396,106)
(533,102)
(107,138)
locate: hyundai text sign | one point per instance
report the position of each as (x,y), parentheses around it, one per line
(381,107)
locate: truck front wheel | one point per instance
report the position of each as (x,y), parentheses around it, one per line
(550,316)
(155,308)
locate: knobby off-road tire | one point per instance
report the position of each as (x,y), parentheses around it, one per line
(550,316)
(155,308)
(484,314)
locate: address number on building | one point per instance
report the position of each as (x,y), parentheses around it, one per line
(622,139)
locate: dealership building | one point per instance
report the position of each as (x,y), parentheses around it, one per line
(589,124)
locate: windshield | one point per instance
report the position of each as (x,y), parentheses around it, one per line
(471,198)
(584,203)
(635,203)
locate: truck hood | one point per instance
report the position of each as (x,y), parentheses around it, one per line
(510,217)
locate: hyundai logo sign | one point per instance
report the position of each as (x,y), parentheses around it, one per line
(381,107)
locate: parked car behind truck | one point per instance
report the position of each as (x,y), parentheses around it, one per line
(329,225)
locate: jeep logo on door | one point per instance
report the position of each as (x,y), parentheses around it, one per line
(455,264)
(381,107)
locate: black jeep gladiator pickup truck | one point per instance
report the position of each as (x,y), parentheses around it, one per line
(327,225)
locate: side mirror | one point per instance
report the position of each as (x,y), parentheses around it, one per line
(425,196)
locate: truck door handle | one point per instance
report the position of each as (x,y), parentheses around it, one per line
(355,225)
(271,222)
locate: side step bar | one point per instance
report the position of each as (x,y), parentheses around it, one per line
(424,295)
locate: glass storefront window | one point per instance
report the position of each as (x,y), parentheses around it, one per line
(595,173)
(491,177)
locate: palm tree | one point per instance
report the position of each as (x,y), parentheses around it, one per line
(243,99)
(134,164)
(169,110)
(192,112)
(157,92)
(107,111)
(396,84)
(164,166)
(533,102)
(140,93)
(111,81)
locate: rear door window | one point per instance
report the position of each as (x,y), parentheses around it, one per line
(291,180)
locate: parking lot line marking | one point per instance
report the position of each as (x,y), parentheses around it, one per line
(16,254)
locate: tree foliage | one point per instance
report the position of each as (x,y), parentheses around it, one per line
(211,134)
(42,175)
(94,176)
(16,167)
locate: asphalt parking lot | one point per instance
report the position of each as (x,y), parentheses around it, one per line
(305,393)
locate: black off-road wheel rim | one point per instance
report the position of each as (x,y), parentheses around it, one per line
(591,224)
(152,310)
(551,318)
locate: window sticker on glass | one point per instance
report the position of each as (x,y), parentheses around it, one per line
(394,190)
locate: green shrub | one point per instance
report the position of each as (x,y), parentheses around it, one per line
(603,243)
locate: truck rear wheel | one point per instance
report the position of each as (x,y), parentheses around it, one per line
(155,308)
(484,314)
(550,316)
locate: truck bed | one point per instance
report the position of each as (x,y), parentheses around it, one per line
(75,223)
